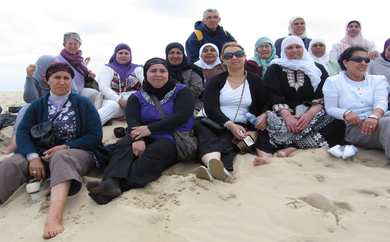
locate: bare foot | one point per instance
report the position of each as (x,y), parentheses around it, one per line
(53,227)
(7,150)
(10,148)
(108,188)
(261,161)
(286,152)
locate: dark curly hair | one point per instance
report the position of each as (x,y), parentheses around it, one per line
(348,53)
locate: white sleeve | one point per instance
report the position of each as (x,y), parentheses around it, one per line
(381,93)
(105,77)
(334,52)
(139,73)
(374,48)
(331,100)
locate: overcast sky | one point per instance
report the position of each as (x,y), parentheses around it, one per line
(30,29)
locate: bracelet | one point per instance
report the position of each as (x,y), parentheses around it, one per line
(346,113)
(34,157)
(314,110)
(227,124)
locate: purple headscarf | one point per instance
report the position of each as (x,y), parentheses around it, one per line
(387,43)
(124,71)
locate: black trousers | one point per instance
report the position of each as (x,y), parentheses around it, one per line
(136,172)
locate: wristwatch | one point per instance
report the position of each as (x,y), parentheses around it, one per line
(373,116)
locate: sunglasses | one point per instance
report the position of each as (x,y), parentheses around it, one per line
(238,54)
(359,59)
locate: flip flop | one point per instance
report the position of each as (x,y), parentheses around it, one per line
(34,185)
(43,191)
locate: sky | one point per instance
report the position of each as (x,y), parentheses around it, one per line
(29,29)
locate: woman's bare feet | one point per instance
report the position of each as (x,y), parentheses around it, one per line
(286,152)
(10,148)
(262,158)
(53,226)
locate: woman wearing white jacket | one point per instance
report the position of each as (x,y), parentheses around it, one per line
(117,81)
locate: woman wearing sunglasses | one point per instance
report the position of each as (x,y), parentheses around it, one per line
(227,98)
(360,100)
(294,91)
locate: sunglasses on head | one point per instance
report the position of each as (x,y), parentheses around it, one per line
(359,59)
(238,54)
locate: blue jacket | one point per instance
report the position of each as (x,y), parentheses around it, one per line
(218,37)
(89,133)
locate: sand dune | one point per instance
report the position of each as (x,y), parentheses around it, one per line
(310,196)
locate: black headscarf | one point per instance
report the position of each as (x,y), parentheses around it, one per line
(147,87)
(175,71)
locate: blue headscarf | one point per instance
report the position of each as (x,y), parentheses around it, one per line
(264,62)
(124,71)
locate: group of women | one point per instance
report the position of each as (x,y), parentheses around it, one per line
(300,101)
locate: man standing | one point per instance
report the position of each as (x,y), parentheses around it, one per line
(207,31)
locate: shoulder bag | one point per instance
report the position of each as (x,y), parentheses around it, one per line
(45,134)
(186,141)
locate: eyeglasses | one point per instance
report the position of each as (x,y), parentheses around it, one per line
(238,54)
(359,59)
(212,17)
(264,46)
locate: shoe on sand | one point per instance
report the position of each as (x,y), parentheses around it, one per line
(203,173)
(45,189)
(350,150)
(217,170)
(34,185)
(337,151)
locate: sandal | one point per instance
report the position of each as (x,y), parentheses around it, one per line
(34,185)
(43,191)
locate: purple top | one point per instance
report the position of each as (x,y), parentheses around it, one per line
(149,113)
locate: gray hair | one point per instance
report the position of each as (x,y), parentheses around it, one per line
(72,35)
(210,10)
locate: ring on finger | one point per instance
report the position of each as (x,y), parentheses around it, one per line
(34,172)
(370,126)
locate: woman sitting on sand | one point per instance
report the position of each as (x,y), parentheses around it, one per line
(360,100)
(117,81)
(227,98)
(78,151)
(141,156)
(265,52)
(34,88)
(294,91)
(184,72)
(209,62)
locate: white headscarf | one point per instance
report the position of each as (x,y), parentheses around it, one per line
(290,30)
(306,64)
(203,64)
(323,60)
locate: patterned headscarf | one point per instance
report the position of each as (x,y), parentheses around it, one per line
(58,66)
(265,63)
(306,64)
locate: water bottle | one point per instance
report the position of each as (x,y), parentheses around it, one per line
(251,118)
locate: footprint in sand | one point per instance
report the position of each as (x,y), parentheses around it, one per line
(323,204)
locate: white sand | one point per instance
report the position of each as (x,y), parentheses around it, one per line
(310,196)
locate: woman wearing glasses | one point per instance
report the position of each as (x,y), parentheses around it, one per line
(360,100)
(227,98)
(294,91)
(265,52)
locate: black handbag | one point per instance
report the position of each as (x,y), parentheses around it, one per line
(186,141)
(44,134)
(89,82)
(212,125)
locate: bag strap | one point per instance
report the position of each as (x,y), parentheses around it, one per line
(242,94)
(75,67)
(158,107)
(58,113)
